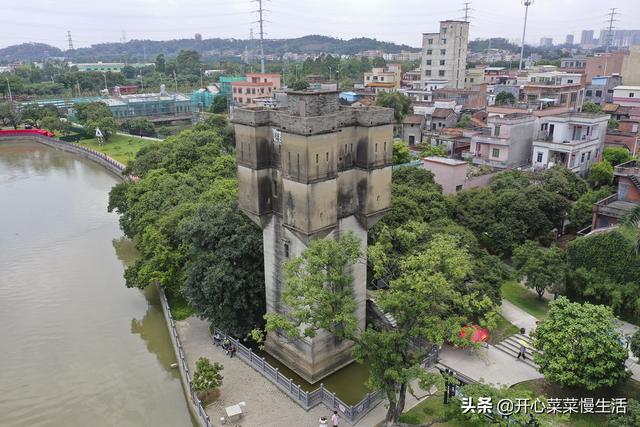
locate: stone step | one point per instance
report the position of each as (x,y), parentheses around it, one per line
(514,353)
(514,340)
(515,349)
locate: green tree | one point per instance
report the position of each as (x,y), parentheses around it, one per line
(319,295)
(563,182)
(129,72)
(600,174)
(139,126)
(505,98)
(541,268)
(160,63)
(10,115)
(630,418)
(401,153)
(613,124)
(465,121)
(401,104)
(54,124)
(188,62)
(221,239)
(433,150)
(580,346)
(591,107)
(581,213)
(207,377)
(219,105)
(300,85)
(634,344)
(616,155)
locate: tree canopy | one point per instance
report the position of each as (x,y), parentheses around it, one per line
(541,268)
(580,346)
(402,105)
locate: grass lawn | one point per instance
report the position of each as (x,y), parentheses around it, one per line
(525,299)
(541,387)
(503,329)
(431,409)
(180,309)
(122,148)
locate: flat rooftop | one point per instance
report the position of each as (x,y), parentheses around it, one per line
(445,160)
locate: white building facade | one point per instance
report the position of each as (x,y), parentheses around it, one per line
(444,54)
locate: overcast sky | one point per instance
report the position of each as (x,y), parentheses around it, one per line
(402,21)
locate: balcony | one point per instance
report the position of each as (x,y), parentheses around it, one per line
(630,168)
(612,207)
(487,139)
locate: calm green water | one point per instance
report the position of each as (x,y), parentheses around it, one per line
(77,348)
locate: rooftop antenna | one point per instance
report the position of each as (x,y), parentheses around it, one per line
(69,39)
(526,4)
(261,21)
(612,13)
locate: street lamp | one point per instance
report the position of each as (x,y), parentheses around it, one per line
(9,87)
(526,3)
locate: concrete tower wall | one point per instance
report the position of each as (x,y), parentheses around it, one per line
(314,170)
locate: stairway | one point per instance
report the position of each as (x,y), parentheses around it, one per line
(511,346)
(635,180)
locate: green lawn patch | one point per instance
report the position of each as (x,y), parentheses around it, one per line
(503,329)
(180,308)
(542,387)
(431,409)
(122,148)
(525,299)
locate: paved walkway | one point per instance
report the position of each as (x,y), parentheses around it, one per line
(488,365)
(266,404)
(518,317)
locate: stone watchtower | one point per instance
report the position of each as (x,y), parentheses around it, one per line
(309,171)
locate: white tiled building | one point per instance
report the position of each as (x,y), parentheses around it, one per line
(444,54)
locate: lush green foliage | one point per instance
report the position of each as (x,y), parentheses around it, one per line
(562,181)
(207,377)
(580,346)
(600,174)
(181,213)
(505,98)
(510,212)
(10,115)
(541,268)
(299,85)
(139,126)
(219,105)
(96,115)
(634,344)
(402,105)
(616,155)
(401,153)
(429,150)
(581,213)
(613,124)
(465,121)
(591,107)
(631,417)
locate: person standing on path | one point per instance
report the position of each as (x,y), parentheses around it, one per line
(523,350)
(323,422)
(335,419)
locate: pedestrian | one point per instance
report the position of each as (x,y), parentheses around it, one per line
(523,350)
(232,350)
(335,419)
(323,422)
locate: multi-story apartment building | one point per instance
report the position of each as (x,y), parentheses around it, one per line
(444,54)
(600,90)
(384,79)
(507,144)
(473,76)
(586,37)
(560,89)
(498,75)
(627,96)
(256,85)
(575,140)
(627,135)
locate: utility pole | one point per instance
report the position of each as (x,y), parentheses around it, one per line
(9,88)
(105,83)
(466,10)
(260,21)
(526,4)
(612,13)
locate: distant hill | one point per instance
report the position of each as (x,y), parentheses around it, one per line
(208,48)
(28,52)
(481,45)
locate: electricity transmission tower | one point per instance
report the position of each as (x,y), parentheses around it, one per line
(612,13)
(69,39)
(466,11)
(526,4)
(261,21)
